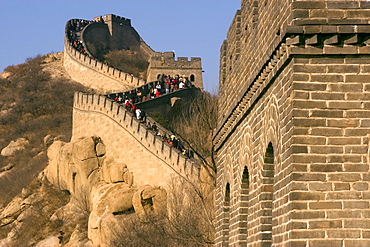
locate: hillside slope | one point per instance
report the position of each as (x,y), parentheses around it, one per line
(36,100)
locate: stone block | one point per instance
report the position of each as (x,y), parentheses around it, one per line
(324,243)
(301,13)
(342,5)
(356,167)
(310,86)
(364,13)
(344,233)
(325,205)
(326,168)
(328,113)
(344,104)
(308,5)
(361,186)
(356,205)
(326,150)
(306,234)
(357,223)
(326,131)
(357,78)
(304,195)
(326,13)
(322,224)
(343,214)
(327,96)
(307,214)
(344,177)
(308,158)
(357,242)
(327,78)
(320,186)
(301,77)
(343,68)
(347,195)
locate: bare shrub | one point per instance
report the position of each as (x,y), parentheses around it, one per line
(187,222)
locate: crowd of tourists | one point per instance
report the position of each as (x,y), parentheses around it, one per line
(173,83)
(141,115)
(165,84)
(170,139)
(74,35)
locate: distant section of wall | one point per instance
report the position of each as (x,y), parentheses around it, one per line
(165,63)
(111,32)
(95,74)
(151,160)
(118,35)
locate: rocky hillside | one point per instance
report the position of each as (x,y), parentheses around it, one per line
(41,194)
(35,100)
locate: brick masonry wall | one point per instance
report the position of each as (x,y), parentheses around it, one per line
(292,144)
(251,212)
(330,169)
(151,160)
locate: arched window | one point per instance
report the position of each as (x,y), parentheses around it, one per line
(267,196)
(192,78)
(226,223)
(244,203)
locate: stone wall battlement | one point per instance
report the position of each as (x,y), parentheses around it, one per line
(114,18)
(167,59)
(93,73)
(113,118)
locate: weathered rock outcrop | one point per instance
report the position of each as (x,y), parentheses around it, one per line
(99,186)
(14,146)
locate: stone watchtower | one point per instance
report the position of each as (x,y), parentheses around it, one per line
(292,143)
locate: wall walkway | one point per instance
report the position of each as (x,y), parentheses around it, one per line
(152,160)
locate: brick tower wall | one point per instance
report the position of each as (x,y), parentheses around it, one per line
(165,63)
(292,143)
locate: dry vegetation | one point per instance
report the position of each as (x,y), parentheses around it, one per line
(187,222)
(33,104)
(194,122)
(129,61)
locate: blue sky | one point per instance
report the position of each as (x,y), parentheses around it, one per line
(192,28)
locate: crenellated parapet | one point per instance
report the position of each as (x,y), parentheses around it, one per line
(152,160)
(92,73)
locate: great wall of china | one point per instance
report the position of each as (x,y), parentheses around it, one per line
(152,160)
(292,143)
(125,159)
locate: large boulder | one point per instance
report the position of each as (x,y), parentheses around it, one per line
(149,201)
(14,146)
(107,200)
